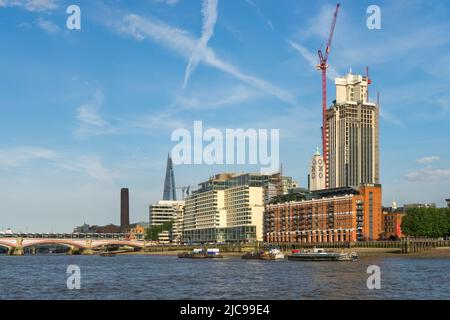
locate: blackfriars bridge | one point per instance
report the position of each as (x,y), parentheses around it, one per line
(77,244)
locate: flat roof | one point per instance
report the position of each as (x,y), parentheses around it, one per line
(335,192)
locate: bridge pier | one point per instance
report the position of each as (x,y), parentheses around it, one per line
(73,250)
(18,251)
(87,251)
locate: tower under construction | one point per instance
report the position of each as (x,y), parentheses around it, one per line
(353,134)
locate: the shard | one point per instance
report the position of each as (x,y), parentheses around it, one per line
(170,192)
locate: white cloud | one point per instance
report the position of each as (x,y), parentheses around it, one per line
(89,119)
(389,117)
(214,99)
(47,25)
(318,26)
(396,44)
(444,103)
(168,2)
(430,159)
(31,5)
(429,174)
(313,59)
(209,12)
(416,41)
(90,165)
(261,14)
(92,123)
(16,157)
(183,43)
(153,122)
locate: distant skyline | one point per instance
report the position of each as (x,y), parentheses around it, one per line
(84,113)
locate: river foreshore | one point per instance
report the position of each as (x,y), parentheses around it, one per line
(443,252)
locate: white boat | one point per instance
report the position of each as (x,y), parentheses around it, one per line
(272,254)
(201,253)
(321,255)
(276,253)
(213,252)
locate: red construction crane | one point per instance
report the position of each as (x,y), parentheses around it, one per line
(323,65)
(369,82)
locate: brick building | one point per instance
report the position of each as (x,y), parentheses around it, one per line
(392,221)
(332,215)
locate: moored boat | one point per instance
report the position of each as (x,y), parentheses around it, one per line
(201,254)
(272,254)
(321,255)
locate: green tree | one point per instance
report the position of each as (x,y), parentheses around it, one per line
(447,211)
(426,222)
(153,231)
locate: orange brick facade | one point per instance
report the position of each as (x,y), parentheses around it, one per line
(345,218)
(373,216)
(392,225)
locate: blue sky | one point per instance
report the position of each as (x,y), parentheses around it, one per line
(86,112)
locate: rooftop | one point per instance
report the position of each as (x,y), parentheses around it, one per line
(300,194)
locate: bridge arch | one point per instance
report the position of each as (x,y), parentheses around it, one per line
(117,243)
(6,245)
(61,242)
(83,244)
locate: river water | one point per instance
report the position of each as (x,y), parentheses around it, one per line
(167,277)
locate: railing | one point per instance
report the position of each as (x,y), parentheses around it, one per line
(221,247)
(95,236)
(407,246)
(287,246)
(419,245)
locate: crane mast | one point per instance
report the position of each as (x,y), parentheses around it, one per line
(369,82)
(323,66)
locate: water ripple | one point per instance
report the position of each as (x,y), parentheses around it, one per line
(159,277)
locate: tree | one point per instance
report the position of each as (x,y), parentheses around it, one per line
(153,232)
(426,222)
(447,211)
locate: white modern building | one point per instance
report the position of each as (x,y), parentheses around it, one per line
(168,211)
(288,184)
(233,214)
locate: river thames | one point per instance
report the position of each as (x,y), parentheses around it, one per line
(167,277)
